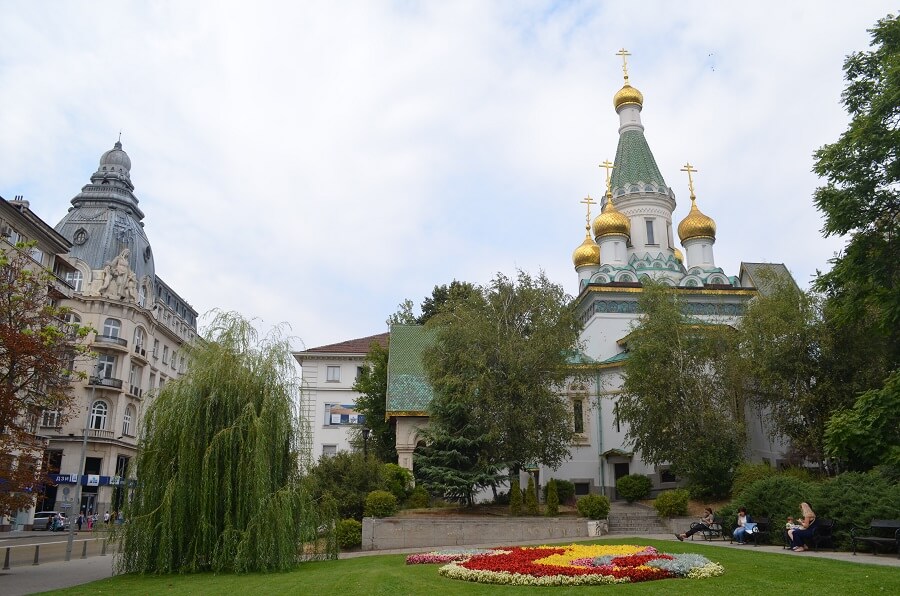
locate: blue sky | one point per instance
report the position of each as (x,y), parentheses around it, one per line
(318,163)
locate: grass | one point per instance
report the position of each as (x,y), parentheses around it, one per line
(746,571)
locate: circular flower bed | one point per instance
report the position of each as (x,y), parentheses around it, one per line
(573,564)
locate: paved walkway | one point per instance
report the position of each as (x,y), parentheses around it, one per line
(30,579)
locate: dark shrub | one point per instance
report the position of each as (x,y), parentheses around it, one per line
(565,490)
(531,502)
(672,503)
(776,498)
(856,498)
(349,533)
(418,498)
(380,503)
(593,506)
(633,487)
(515,497)
(747,473)
(552,499)
(347,478)
(397,480)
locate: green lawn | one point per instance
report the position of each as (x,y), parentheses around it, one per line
(747,571)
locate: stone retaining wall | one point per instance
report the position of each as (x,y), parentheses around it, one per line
(396,532)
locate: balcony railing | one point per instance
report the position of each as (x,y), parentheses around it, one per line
(107,382)
(100,434)
(136,391)
(140,351)
(108,339)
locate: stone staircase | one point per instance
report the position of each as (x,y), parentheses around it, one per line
(636,520)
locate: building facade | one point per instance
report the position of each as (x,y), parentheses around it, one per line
(630,241)
(328,375)
(140,331)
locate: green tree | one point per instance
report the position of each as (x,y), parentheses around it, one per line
(345,479)
(531,501)
(868,434)
(681,396)
(552,499)
(38,351)
(372,403)
(219,486)
(452,461)
(457,291)
(515,496)
(500,353)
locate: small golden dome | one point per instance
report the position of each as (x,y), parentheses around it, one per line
(586,254)
(696,225)
(611,221)
(628,94)
(678,256)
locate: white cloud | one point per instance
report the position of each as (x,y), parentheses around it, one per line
(318,163)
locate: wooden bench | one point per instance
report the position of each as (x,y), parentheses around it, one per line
(759,531)
(714,530)
(823,535)
(881,533)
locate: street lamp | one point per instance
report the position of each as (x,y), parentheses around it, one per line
(365,433)
(87,418)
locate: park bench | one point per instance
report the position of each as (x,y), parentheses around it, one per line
(760,530)
(823,535)
(715,530)
(881,533)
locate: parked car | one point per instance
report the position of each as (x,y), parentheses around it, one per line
(43,519)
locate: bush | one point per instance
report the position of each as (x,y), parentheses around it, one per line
(634,487)
(349,533)
(501,498)
(855,498)
(565,490)
(515,497)
(747,473)
(397,480)
(347,478)
(418,498)
(380,503)
(593,506)
(672,503)
(531,502)
(552,498)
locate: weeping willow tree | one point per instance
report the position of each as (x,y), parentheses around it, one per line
(218,482)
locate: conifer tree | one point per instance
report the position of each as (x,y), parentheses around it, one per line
(552,498)
(531,502)
(218,479)
(515,497)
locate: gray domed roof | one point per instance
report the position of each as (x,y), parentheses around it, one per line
(105,218)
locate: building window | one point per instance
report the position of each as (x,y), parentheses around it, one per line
(333,374)
(329,450)
(37,254)
(582,488)
(138,339)
(142,295)
(128,421)
(111,327)
(174,359)
(75,279)
(165,354)
(359,372)
(181,364)
(156,348)
(578,415)
(650,238)
(106,366)
(51,418)
(666,475)
(616,416)
(99,410)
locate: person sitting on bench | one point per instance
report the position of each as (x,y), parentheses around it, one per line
(704,525)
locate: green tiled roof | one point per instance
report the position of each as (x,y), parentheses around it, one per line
(635,163)
(578,357)
(620,357)
(408,390)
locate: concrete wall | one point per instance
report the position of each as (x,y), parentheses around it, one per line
(394,533)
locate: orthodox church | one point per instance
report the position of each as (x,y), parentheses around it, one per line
(630,241)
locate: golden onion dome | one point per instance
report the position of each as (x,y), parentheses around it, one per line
(611,221)
(628,94)
(696,225)
(586,254)
(678,256)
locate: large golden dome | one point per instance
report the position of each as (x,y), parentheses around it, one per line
(586,254)
(611,221)
(696,225)
(628,94)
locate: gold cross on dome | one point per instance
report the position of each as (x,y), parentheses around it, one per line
(608,165)
(624,54)
(588,201)
(689,169)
